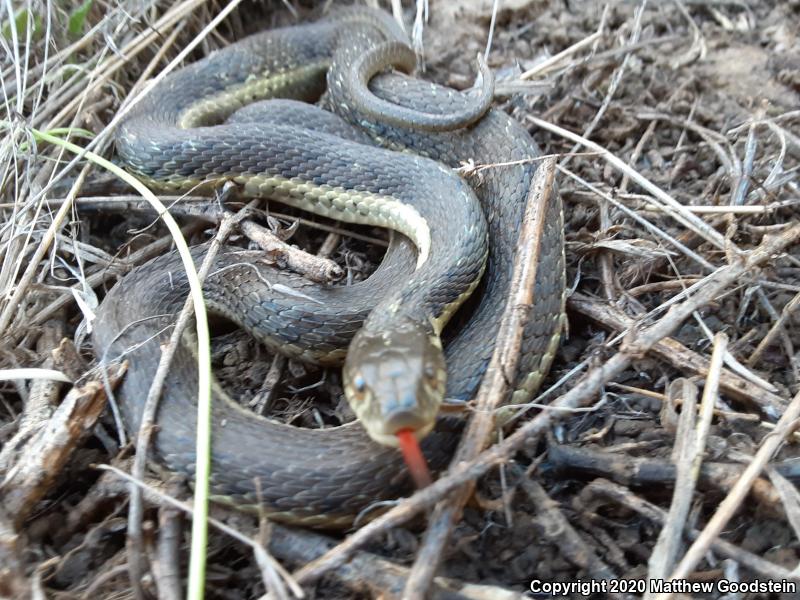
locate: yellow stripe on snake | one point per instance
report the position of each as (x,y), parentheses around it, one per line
(239,115)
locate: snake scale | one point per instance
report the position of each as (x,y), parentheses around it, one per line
(241,115)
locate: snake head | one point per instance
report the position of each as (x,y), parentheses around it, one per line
(394,379)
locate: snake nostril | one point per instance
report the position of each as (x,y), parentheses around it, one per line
(409,402)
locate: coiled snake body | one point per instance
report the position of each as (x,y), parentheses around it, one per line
(329,164)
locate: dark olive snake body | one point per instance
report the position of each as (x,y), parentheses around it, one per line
(328,164)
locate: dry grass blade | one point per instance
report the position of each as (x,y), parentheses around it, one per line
(46,374)
(642,221)
(669,205)
(672,351)
(614,82)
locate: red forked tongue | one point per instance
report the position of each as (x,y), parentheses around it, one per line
(415,460)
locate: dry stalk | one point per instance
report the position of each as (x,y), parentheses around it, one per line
(777,327)
(33,475)
(315,268)
(659,473)
(147,426)
(561,533)
(263,558)
(166,566)
(493,390)
(734,499)
(690,443)
(366,573)
(679,356)
(623,496)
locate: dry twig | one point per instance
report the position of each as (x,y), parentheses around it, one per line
(540,209)
(147,426)
(734,499)
(47,452)
(681,357)
(690,443)
(623,496)
(703,293)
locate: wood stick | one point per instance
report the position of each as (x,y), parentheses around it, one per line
(541,202)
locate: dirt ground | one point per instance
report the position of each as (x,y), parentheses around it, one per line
(698,103)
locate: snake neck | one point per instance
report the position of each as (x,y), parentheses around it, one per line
(502,191)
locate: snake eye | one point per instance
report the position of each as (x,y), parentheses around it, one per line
(430,371)
(359,384)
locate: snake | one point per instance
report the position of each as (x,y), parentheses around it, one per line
(246,114)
